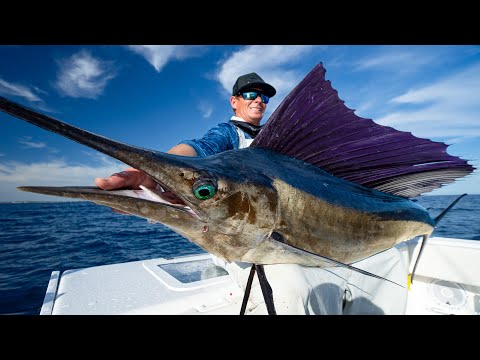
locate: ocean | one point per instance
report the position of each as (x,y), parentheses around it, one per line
(38,238)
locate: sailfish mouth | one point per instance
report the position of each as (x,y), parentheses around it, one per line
(155,164)
(161,194)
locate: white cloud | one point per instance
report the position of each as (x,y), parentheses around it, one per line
(55,173)
(461,89)
(367,105)
(13,89)
(159,55)
(446,108)
(83,76)
(26,141)
(205,109)
(397,57)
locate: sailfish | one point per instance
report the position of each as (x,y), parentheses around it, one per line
(319,186)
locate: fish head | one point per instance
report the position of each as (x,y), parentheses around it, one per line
(232,207)
(222,202)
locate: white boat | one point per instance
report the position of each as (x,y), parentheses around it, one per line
(446,281)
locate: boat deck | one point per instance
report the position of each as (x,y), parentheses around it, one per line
(447,281)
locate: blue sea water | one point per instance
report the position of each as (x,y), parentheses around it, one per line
(38,238)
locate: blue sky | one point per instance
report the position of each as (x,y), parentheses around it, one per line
(155,96)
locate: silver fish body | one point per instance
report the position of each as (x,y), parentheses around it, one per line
(264,207)
(267,208)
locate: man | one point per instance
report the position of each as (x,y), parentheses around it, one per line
(249,100)
(296,289)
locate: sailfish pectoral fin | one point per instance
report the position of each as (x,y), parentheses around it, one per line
(337,263)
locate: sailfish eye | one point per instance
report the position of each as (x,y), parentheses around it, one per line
(204,189)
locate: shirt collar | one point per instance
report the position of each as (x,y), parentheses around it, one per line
(250,129)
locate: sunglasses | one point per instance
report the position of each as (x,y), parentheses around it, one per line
(252,95)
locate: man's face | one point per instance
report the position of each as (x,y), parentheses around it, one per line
(249,110)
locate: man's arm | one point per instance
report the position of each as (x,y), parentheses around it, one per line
(133,178)
(182,149)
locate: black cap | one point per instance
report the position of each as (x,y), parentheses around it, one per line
(252,80)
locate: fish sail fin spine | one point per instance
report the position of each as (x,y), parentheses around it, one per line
(341,264)
(312,124)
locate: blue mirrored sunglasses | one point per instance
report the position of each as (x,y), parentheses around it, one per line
(252,95)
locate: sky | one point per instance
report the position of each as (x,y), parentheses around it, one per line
(155,96)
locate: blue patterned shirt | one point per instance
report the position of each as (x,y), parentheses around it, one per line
(220,138)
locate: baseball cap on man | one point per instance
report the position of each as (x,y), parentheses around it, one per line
(252,80)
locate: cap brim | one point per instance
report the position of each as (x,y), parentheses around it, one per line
(267,89)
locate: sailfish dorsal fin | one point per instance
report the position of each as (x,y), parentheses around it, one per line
(312,124)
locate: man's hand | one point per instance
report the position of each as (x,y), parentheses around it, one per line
(130,178)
